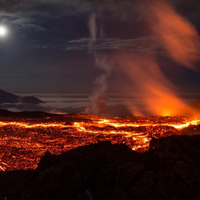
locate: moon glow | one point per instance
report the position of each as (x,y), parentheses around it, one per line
(3,31)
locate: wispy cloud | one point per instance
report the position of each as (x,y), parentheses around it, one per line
(143,44)
(51,15)
(32,14)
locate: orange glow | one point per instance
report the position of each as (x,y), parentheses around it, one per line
(178,36)
(147,77)
(179,39)
(22,144)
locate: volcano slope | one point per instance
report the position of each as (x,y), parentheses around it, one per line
(169,170)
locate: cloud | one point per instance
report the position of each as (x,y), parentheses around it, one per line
(56,8)
(142,44)
(71,18)
(37,11)
(14,6)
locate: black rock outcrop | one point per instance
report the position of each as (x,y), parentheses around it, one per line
(169,170)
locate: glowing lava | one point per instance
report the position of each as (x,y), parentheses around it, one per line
(23,143)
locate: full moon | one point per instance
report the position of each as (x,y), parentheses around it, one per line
(3,31)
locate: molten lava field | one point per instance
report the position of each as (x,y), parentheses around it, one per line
(24,140)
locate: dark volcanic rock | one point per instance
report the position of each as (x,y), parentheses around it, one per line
(170,186)
(169,170)
(25,114)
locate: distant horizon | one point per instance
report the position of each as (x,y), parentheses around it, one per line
(77,103)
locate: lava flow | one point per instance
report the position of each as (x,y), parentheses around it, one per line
(24,142)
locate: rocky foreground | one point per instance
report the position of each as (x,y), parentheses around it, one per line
(169,170)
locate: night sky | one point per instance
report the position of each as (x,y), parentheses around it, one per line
(48,46)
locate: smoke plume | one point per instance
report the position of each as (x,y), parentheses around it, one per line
(179,37)
(98,99)
(179,40)
(146,75)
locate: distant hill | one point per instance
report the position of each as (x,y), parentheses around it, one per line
(31,99)
(192,109)
(6,97)
(195,104)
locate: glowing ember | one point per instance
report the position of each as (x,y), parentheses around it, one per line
(22,144)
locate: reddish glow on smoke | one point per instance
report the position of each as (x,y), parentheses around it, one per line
(146,75)
(178,36)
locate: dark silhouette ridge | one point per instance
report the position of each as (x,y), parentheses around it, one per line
(6,97)
(169,170)
(192,109)
(30,114)
(31,99)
